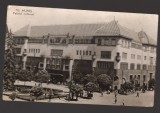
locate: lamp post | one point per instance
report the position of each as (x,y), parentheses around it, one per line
(24,54)
(117,59)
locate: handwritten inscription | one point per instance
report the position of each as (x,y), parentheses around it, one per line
(23,12)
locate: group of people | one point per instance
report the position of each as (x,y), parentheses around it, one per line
(123,101)
(115,100)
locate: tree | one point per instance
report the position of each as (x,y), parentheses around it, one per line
(41,76)
(10,63)
(78,77)
(75,90)
(36,91)
(104,81)
(127,86)
(151,83)
(90,87)
(89,78)
(24,75)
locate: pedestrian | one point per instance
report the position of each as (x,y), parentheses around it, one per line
(59,97)
(137,94)
(115,93)
(101,93)
(123,102)
(115,101)
(50,95)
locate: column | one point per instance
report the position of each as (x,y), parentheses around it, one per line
(44,63)
(24,53)
(70,69)
(24,62)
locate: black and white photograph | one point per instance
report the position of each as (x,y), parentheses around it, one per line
(56,55)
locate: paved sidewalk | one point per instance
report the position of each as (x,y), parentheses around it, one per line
(145,100)
(44,85)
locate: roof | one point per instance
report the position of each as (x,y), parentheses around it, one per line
(23,31)
(73,29)
(115,29)
(112,28)
(146,39)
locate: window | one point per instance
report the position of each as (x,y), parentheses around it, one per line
(55,63)
(56,52)
(106,54)
(138,66)
(125,43)
(51,41)
(139,77)
(90,52)
(145,48)
(139,57)
(81,41)
(83,52)
(124,55)
(132,56)
(99,41)
(64,41)
(145,57)
(105,65)
(34,51)
(131,78)
(124,65)
(77,52)
(66,67)
(86,52)
(135,76)
(106,42)
(144,67)
(151,60)
(57,40)
(80,52)
(17,50)
(151,74)
(132,66)
(40,65)
(76,41)
(70,41)
(144,78)
(113,42)
(19,41)
(86,41)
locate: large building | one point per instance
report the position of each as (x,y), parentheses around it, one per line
(107,48)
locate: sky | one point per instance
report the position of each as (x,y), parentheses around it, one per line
(20,16)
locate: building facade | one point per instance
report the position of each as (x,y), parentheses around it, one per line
(109,48)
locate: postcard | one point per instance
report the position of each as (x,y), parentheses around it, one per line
(56,55)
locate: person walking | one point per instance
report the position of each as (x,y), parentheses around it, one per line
(137,94)
(115,93)
(115,101)
(50,95)
(123,103)
(101,91)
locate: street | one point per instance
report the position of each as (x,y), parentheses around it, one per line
(144,100)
